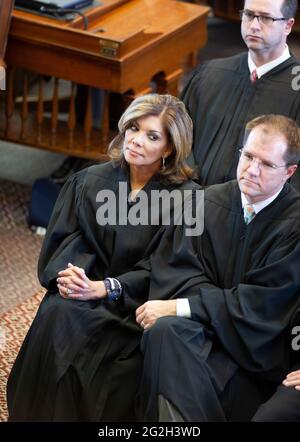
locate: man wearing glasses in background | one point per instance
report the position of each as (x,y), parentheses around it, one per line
(221,343)
(225,93)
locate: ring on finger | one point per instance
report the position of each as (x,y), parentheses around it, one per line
(69,291)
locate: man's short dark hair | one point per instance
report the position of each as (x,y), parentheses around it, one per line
(289,8)
(284,126)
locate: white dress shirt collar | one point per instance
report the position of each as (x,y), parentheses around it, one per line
(262,70)
(261,204)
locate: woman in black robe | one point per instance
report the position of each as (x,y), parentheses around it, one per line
(80,360)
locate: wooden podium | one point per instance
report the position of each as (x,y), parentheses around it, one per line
(129,47)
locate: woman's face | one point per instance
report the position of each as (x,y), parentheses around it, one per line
(145,143)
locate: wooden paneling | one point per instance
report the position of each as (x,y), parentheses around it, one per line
(5,13)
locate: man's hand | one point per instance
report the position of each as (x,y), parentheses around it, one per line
(147,314)
(293,380)
(73,283)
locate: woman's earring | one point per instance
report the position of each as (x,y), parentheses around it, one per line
(163,166)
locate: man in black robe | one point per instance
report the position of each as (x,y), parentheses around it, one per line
(239,286)
(221,97)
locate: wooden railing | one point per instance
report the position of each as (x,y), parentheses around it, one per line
(37,121)
(125,50)
(51,122)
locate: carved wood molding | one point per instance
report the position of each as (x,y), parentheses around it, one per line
(5,14)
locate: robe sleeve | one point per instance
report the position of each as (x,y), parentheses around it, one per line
(136,282)
(153,269)
(185,97)
(252,319)
(188,93)
(177,271)
(64,241)
(151,276)
(135,285)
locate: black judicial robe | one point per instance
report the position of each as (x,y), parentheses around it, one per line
(81,360)
(221,99)
(243,286)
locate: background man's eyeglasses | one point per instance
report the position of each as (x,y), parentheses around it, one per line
(247,157)
(248,16)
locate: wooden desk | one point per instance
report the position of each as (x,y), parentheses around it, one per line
(127,46)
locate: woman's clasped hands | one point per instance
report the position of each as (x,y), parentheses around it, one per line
(73,283)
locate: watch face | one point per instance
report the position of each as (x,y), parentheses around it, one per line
(113,295)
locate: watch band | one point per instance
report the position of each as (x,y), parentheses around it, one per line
(113,288)
(106,285)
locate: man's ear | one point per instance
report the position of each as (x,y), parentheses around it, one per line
(289,25)
(291,170)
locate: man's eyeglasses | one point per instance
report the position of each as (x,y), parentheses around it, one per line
(247,157)
(248,16)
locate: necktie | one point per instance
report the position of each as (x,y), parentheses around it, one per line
(249,213)
(253,76)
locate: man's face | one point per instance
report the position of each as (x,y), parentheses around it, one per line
(267,40)
(257,177)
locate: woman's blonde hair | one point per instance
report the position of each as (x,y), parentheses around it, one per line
(177,124)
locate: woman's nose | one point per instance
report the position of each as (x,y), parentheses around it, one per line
(138,139)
